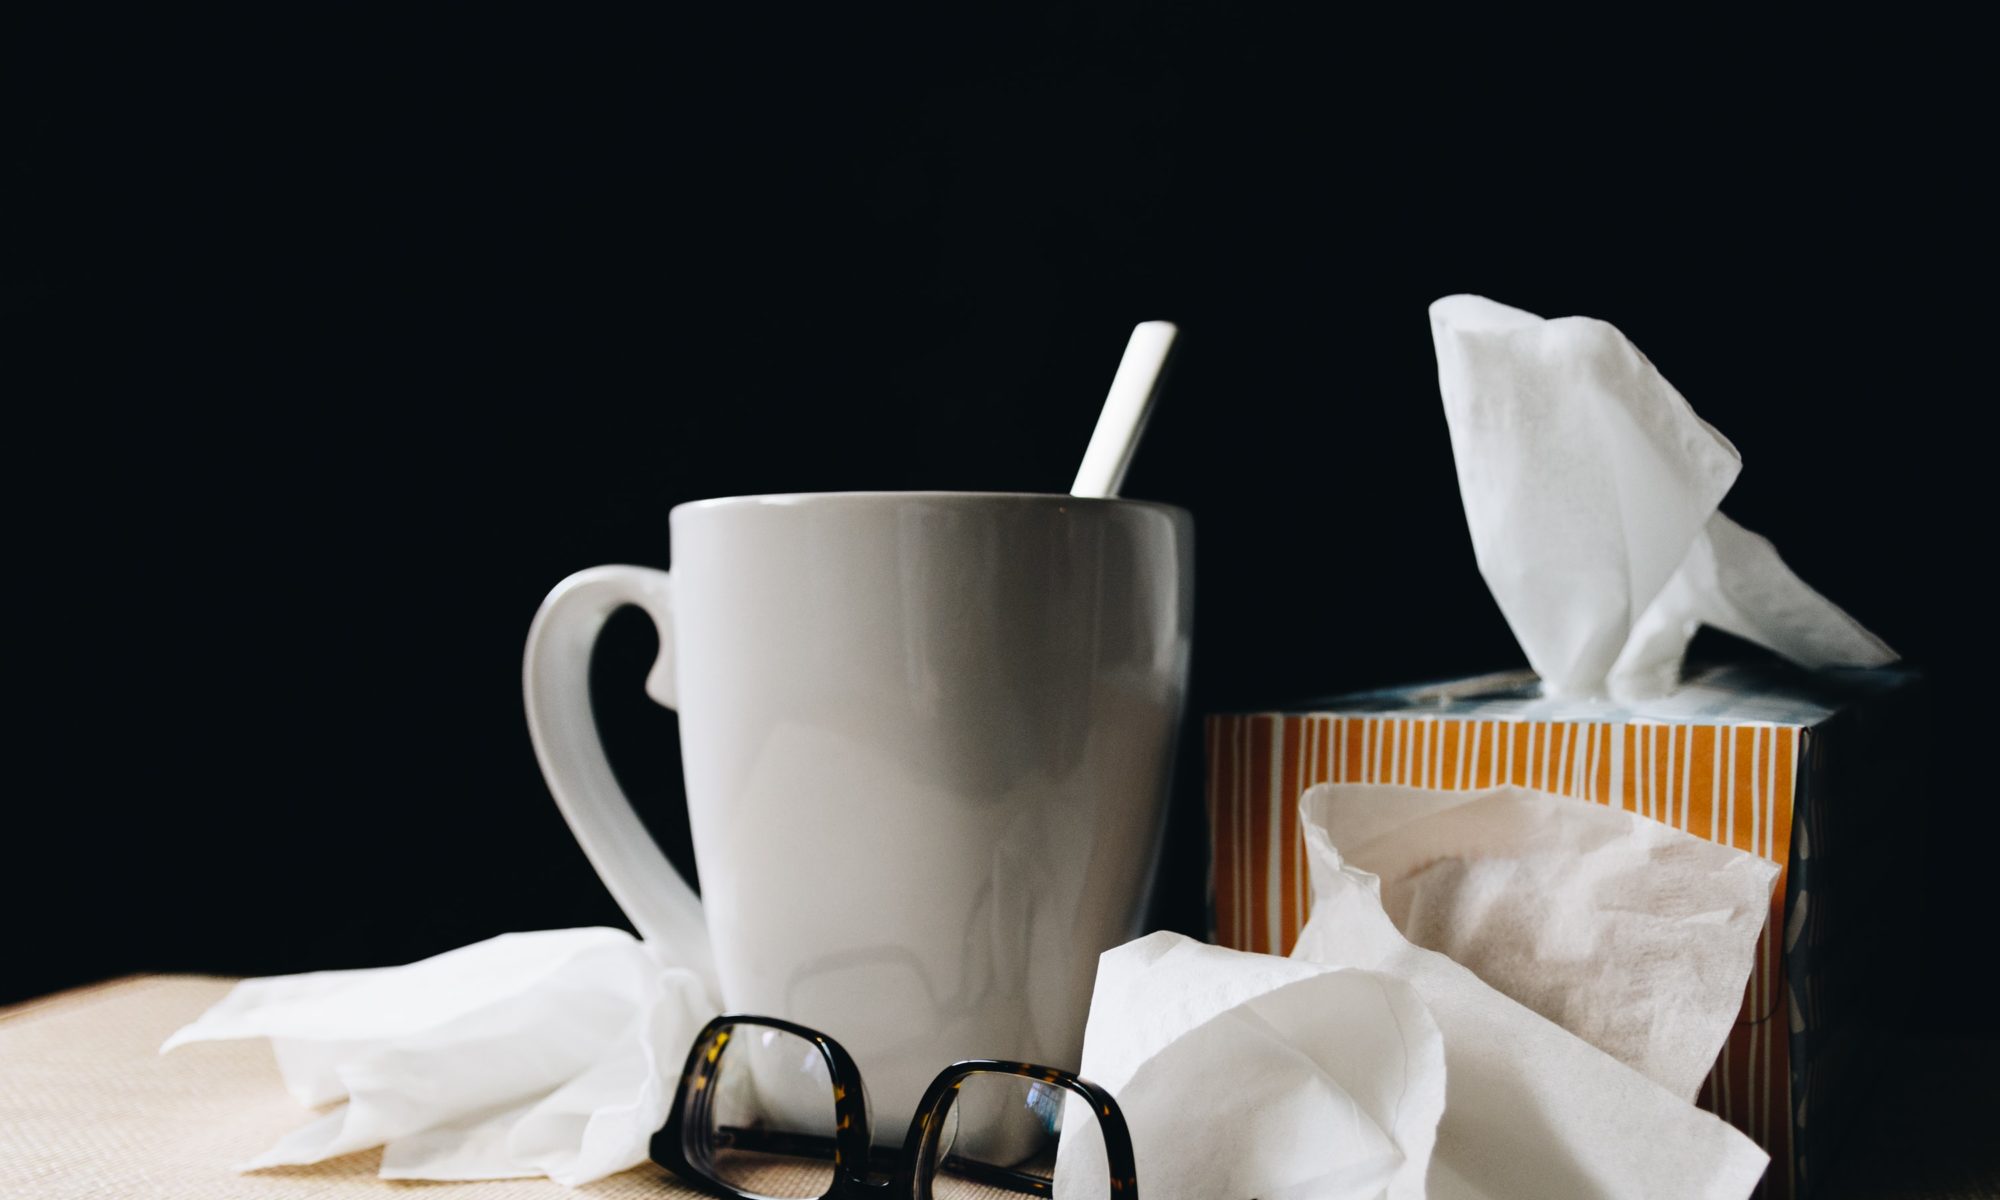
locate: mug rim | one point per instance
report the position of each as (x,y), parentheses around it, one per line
(793,499)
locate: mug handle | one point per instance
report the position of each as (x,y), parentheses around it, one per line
(555,680)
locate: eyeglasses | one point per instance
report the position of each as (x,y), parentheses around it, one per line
(769,1110)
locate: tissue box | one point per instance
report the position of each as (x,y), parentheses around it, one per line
(1817,771)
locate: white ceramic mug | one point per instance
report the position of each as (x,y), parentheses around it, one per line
(927,739)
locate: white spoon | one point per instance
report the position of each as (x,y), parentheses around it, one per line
(1125,411)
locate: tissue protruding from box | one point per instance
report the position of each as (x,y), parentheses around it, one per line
(1591,491)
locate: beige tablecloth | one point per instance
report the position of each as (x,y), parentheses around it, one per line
(89,1108)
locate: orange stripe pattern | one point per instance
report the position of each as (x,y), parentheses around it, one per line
(1729,783)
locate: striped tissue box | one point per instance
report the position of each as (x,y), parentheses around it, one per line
(1811,771)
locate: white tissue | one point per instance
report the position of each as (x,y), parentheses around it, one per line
(1247,1075)
(552,1053)
(1531,1111)
(1634,936)
(1591,491)
(1734,580)
(1323,1076)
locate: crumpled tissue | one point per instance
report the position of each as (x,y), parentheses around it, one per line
(552,1053)
(1241,1077)
(1591,491)
(1247,1075)
(1627,932)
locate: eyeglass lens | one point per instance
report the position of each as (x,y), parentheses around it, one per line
(768,1127)
(1012,1135)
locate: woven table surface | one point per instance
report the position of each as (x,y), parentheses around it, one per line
(90,1108)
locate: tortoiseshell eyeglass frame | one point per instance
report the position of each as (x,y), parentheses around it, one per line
(854,1175)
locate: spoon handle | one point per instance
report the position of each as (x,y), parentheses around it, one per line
(1125,410)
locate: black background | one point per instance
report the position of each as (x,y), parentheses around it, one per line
(342,335)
